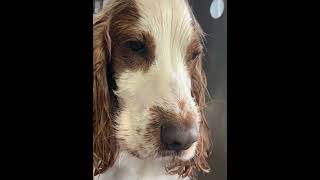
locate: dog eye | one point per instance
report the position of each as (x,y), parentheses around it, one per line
(195,55)
(136,46)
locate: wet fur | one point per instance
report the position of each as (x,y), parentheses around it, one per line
(108,145)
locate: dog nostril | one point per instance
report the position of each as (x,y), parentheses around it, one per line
(177,147)
(173,146)
(176,143)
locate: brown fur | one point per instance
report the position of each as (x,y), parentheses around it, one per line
(160,114)
(111,27)
(123,29)
(181,104)
(124,58)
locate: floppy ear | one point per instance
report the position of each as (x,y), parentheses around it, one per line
(105,148)
(199,92)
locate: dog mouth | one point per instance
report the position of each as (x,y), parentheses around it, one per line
(164,154)
(180,154)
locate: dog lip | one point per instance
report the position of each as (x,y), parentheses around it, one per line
(167,153)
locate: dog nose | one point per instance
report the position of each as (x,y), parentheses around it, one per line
(176,137)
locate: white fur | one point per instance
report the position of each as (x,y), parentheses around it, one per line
(167,80)
(128,167)
(164,84)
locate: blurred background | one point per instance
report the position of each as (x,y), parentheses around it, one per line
(215,66)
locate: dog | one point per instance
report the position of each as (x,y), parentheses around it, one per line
(149,92)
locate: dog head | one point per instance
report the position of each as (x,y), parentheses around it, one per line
(149,85)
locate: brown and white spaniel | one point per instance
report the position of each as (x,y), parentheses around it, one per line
(149,92)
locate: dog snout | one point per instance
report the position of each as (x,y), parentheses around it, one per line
(177,137)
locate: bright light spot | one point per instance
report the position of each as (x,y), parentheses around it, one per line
(216,8)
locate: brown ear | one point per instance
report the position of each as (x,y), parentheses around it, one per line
(104,143)
(199,92)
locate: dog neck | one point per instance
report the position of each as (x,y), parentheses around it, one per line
(128,167)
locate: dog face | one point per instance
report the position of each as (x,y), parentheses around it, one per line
(150,52)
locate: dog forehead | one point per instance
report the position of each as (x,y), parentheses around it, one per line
(167,20)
